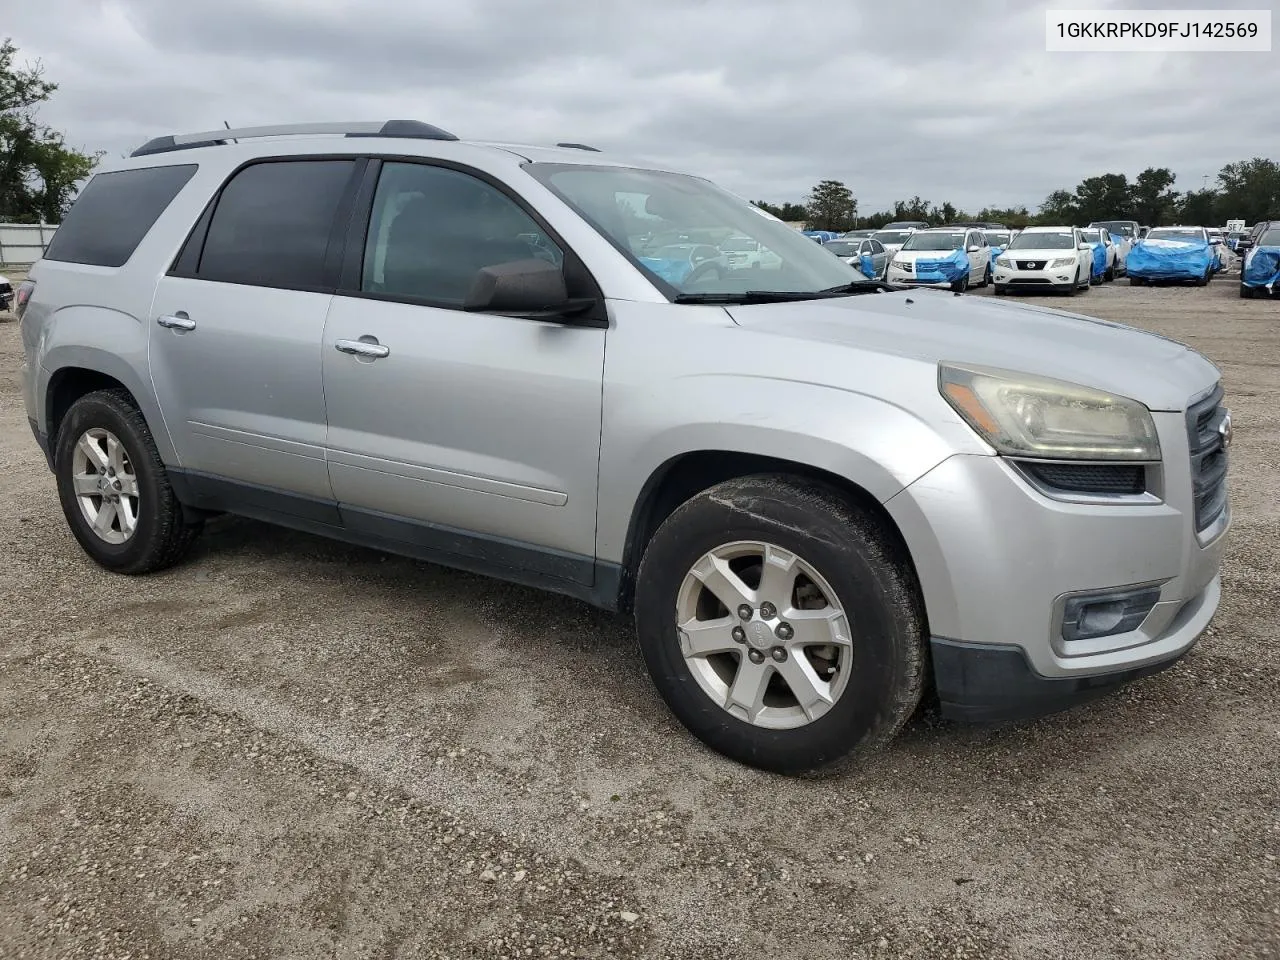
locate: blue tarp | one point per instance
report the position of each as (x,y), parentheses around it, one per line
(1161,259)
(1099,259)
(995,252)
(947,269)
(867,265)
(672,271)
(822,236)
(1262,269)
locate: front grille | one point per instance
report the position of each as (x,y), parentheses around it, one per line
(1031,264)
(1097,478)
(1207,421)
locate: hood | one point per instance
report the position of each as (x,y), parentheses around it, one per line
(933,326)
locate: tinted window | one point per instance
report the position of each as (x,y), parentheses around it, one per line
(114,212)
(876,247)
(272,223)
(842,248)
(1270,239)
(433,229)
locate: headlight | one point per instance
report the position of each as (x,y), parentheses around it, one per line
(1003,262)
(1063,262)
(902,264)
(1023,415)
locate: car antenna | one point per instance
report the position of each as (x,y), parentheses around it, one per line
(228,126)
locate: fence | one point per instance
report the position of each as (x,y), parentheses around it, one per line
(24,243)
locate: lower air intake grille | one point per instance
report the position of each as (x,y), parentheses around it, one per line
(1096,478)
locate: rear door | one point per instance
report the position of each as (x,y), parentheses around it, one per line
(236,326)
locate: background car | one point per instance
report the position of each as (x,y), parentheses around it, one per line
(6,293)
(1056,259)
(1178,253)
(942,258)
(1104,253)
(1251,238)
(1124,234)
(1260,270)
(821,236)
(741,251)
(867,254)
(855,234)
(893,239)
(907,225)
(676,261)
(997,240)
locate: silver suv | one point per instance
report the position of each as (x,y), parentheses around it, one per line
(818,494)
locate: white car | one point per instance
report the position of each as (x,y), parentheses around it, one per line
(1111,266)
(940,257)
(892,240)
(742,252)
(6,294)
(1058,259)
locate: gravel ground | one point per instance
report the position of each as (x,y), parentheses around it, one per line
(292,748)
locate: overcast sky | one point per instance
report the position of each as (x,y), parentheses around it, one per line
(949,100)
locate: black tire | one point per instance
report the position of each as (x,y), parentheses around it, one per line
(163,534)
(986,276)
(1137,282)
(1246,293)
(1001,289)
(961,285)
(872,580)
(1110,275)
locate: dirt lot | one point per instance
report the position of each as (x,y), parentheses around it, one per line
(291,748)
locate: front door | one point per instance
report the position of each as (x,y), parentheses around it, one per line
(235,330)
(466,433)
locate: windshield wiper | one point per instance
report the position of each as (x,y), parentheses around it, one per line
(753,296)
(787,296)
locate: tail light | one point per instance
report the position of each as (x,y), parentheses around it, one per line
(23,297)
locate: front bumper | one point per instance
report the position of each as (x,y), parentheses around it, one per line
(996,557)
(1055,279)
(984,683)
(894,275)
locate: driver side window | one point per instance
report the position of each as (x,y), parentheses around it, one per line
(433,229)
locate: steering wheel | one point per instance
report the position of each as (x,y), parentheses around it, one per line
(703,271)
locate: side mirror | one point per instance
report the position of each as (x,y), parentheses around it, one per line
(520,286)
(1214,242)
(974,249)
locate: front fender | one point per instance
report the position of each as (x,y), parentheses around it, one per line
(105,341)
(866,440)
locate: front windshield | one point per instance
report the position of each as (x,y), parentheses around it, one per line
(934,241)
(996,239)
(1165,233)
(843,248)
(1044,240)
(644,211)
(892,236)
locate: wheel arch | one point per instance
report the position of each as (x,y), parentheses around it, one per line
(687,474)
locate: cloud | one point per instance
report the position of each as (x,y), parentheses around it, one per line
(954,102)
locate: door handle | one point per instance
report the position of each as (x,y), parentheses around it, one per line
(179,322)
(370,348)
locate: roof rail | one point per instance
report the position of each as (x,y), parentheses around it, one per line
(413,129)
(578,146)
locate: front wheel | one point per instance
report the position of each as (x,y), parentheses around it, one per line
(1001,289)
(113,487)
(1137,281)
(961,285)
(1110,274)
(780,624)
(1246,293)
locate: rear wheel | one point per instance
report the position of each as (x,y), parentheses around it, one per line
(113,487)
(1246,293)
(986,276)
(1110,274)
(1137,281)
(780,624)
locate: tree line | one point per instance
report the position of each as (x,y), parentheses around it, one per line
(39,173)
(1247,190)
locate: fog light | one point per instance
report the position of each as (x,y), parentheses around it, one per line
(1103,614)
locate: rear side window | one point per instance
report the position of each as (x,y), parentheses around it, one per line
(114,212)
(272,223)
